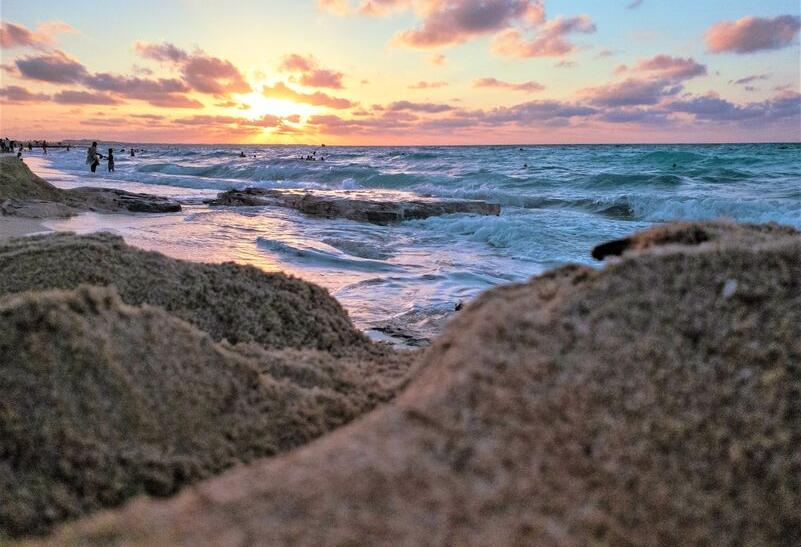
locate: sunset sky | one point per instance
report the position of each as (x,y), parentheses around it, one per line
(401,71)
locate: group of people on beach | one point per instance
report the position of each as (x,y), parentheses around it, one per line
(9,146)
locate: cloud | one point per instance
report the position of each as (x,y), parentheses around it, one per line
(448,22)
(664,66)
(634,4)
(399,106)
(373,8)
(565,64)
(437,59)
(422,84)
(309,73)
(751,34)
(83,97)
(164,52)
(549,40)
(202,72)
(750,79)
(604,53)
(529,86)
(56,67)
(213,76)
(173,100)
(630,92)
(17,94)
(13,35)
(282,91)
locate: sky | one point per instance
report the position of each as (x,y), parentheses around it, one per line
(391,72)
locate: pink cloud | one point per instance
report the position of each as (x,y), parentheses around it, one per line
(630,92)
(308,72)
(529,86)
(83,97)
(214,76)
(282,91)
(203,73)
(549,41)
(174,100)
(13,35)
(751,34)
(665,66)
(17,94)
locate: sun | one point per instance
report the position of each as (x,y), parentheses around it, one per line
(261,106)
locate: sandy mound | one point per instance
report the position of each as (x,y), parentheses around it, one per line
(24,194)
(228,301)
(653,402)
(100,401)
(17,181)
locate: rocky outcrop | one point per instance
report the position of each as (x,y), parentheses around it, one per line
(337,206)
(655,401)
(24,194)
(228,301)
(100,401)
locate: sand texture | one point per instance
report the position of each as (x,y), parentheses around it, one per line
(657,401)
(100,401)
(228,301)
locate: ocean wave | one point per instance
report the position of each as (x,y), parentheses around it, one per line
(326,256)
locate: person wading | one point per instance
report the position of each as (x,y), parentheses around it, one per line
(93,157)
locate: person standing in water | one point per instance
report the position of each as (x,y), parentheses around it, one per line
(110,160)
(44,148)
(93,157)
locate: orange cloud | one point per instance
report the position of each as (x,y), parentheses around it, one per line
(282,91)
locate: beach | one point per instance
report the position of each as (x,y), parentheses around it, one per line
(151,399)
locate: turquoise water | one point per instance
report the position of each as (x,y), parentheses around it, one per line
(557,203)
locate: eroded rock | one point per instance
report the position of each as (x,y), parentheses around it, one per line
(332,206)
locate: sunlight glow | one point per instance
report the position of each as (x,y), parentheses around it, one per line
(261,106)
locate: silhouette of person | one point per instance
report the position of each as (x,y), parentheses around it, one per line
(110,160)
(132,153)
(93,157)
(44,148)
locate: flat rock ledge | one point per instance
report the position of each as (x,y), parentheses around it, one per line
(375,211)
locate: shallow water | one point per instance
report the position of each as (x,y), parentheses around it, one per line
(408,277)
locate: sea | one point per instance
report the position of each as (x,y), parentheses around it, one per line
(401,282)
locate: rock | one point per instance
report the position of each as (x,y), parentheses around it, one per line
(691,234)
(228,301)
(100,401)
(22,193)
(111,200)
(333,206)
(630,405)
